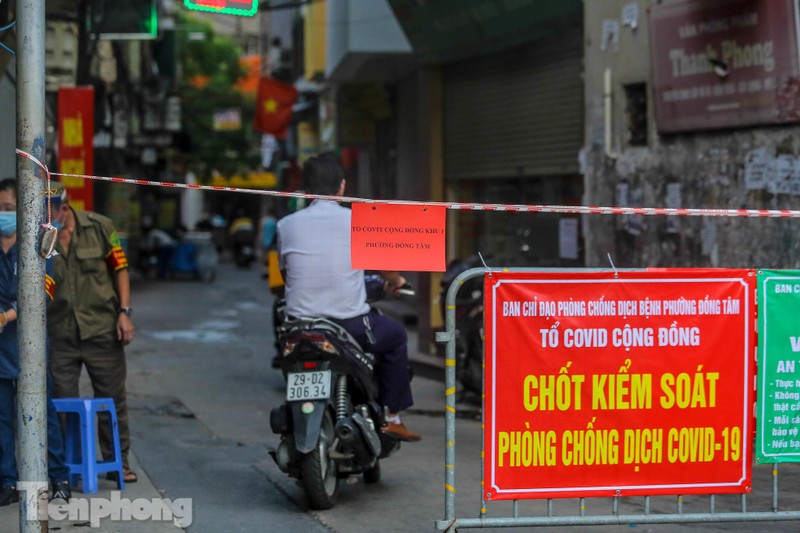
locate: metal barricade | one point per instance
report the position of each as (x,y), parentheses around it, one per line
(677,509)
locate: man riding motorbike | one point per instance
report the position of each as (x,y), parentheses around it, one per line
(314,254)
(242,238)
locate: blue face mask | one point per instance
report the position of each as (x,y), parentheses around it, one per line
(8,222)
(57,224)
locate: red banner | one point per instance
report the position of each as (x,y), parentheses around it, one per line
(599,384)
(75,143)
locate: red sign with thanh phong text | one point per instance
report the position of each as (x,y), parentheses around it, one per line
(603,384)
(724,63)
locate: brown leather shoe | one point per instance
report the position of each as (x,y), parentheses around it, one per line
(401,432)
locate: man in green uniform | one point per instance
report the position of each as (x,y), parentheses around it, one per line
(89,320)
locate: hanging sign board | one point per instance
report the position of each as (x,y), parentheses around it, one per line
(75,143)
(724,63)
(407,237)
(242,8)
(616,385)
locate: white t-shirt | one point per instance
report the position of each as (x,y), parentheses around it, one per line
(156,238)
(314,251)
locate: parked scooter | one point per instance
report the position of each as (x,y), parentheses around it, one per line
(330,424)
(469,323)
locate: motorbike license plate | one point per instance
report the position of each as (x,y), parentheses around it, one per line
(308,386)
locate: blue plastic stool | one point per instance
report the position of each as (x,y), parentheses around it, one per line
(80,441)
(183,259)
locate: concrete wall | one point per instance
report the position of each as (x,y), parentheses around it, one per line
(336,33)
(281,23)
(361,27)
(408,149)
(374,28)
(707,167)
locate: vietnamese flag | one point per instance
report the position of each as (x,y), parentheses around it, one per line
(274,107)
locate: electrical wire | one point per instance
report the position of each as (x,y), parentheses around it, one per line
(4,28)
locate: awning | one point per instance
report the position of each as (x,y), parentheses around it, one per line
(449,30)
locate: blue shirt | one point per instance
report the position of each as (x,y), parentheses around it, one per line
(9,285)
(269,227)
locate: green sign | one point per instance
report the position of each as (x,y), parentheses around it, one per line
(242,8)
(778,409)
(132,20)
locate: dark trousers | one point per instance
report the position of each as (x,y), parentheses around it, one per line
(391,350)
(105,363)
(57,471)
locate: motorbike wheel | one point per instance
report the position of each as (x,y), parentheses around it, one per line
(319,472)
(373,475)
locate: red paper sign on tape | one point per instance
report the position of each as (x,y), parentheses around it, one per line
(407,237)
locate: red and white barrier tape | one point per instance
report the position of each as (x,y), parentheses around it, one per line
(513,208)
(47,172)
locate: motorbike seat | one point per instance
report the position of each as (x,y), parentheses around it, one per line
(335,333)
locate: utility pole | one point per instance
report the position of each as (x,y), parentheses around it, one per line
(32,382)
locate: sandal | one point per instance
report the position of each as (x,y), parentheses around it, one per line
(129,476)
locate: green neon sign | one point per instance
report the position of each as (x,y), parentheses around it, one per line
(133,20)
(241,8)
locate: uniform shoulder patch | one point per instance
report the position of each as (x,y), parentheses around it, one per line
(114,240)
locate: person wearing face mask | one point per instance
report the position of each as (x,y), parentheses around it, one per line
(9,363)
(89,320)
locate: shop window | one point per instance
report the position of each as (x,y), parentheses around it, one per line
(512,239)
(636,113)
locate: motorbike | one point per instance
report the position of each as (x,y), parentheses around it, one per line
(244,254)
(242,238)
(373,284)
(330,424)
(469,323)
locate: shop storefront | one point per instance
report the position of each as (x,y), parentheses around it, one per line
(513,128)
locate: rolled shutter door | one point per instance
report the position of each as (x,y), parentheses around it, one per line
(515,113)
